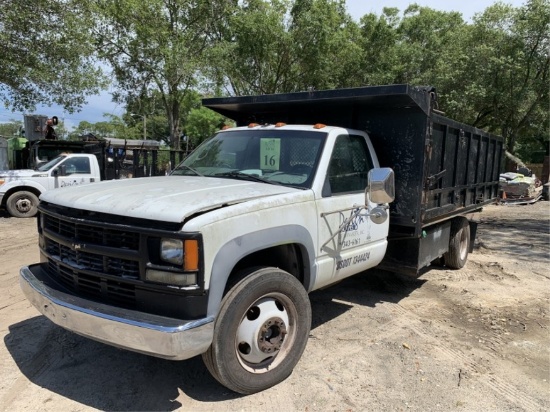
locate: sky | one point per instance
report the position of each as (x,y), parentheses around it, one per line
(101,104)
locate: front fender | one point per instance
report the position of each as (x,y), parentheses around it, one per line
(236,249)
(17,185)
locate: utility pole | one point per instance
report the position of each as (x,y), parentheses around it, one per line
(144,127)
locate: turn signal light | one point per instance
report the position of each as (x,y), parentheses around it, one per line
(191,255)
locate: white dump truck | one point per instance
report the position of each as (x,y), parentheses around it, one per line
(219,257)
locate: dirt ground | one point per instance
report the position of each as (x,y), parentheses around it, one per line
(477,339)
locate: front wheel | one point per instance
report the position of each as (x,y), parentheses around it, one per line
(261,331)
(22,204)
(459,244)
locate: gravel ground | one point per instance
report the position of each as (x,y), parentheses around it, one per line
(476,339)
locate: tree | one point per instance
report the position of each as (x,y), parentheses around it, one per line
(279,46)
(201,124)
(253,54)
(429,46)
(326,44)
(380,61)
(46,55)
(492,74)
(11,128)
(156,47)
(147,112)
(115,127)
(510,65)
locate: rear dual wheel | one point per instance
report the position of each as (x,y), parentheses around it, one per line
(459,244)
(261,331)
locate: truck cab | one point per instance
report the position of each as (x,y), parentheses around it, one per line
(330,165)
(20,189)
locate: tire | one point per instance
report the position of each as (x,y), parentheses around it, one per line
(22,204)
(261,331)
(459,244)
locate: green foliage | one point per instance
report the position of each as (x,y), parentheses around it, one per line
(156,47)
(202,123)
(253,51)
(492,72)
(326,45)
(46,54)
(284,46)
(510,49)
(11,128)
(114,128)
(380,62)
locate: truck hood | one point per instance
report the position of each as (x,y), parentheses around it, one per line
(20,174)
(169,199)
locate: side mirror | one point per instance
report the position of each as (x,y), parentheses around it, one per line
(381,187)
(60,170)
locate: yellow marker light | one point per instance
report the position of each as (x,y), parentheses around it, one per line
(319,126)
(253,125)
(191,255)
(280,124)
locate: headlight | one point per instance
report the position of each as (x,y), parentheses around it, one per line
(181,253)
(171,251)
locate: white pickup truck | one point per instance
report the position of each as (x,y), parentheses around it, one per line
(218,258)
(20,189)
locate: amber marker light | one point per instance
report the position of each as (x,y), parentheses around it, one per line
(280,124)
(191,255)
(319,126)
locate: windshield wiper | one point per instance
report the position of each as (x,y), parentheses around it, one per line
(191,169)
(245,176)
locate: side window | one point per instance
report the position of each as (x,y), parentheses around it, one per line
(77,165)
(349,165)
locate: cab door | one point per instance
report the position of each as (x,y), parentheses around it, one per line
(76,171)
(349,241)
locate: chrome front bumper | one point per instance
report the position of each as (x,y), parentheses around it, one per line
(153,335)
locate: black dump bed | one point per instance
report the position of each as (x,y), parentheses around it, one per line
(442,167)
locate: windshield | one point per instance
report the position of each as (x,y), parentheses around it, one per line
(51,163)
(286,157)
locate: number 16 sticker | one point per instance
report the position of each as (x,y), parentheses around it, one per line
(270,153)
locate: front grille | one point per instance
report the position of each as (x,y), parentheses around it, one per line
(92,234)
(76,258)
(124,268)
(104,259)
(93,286)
